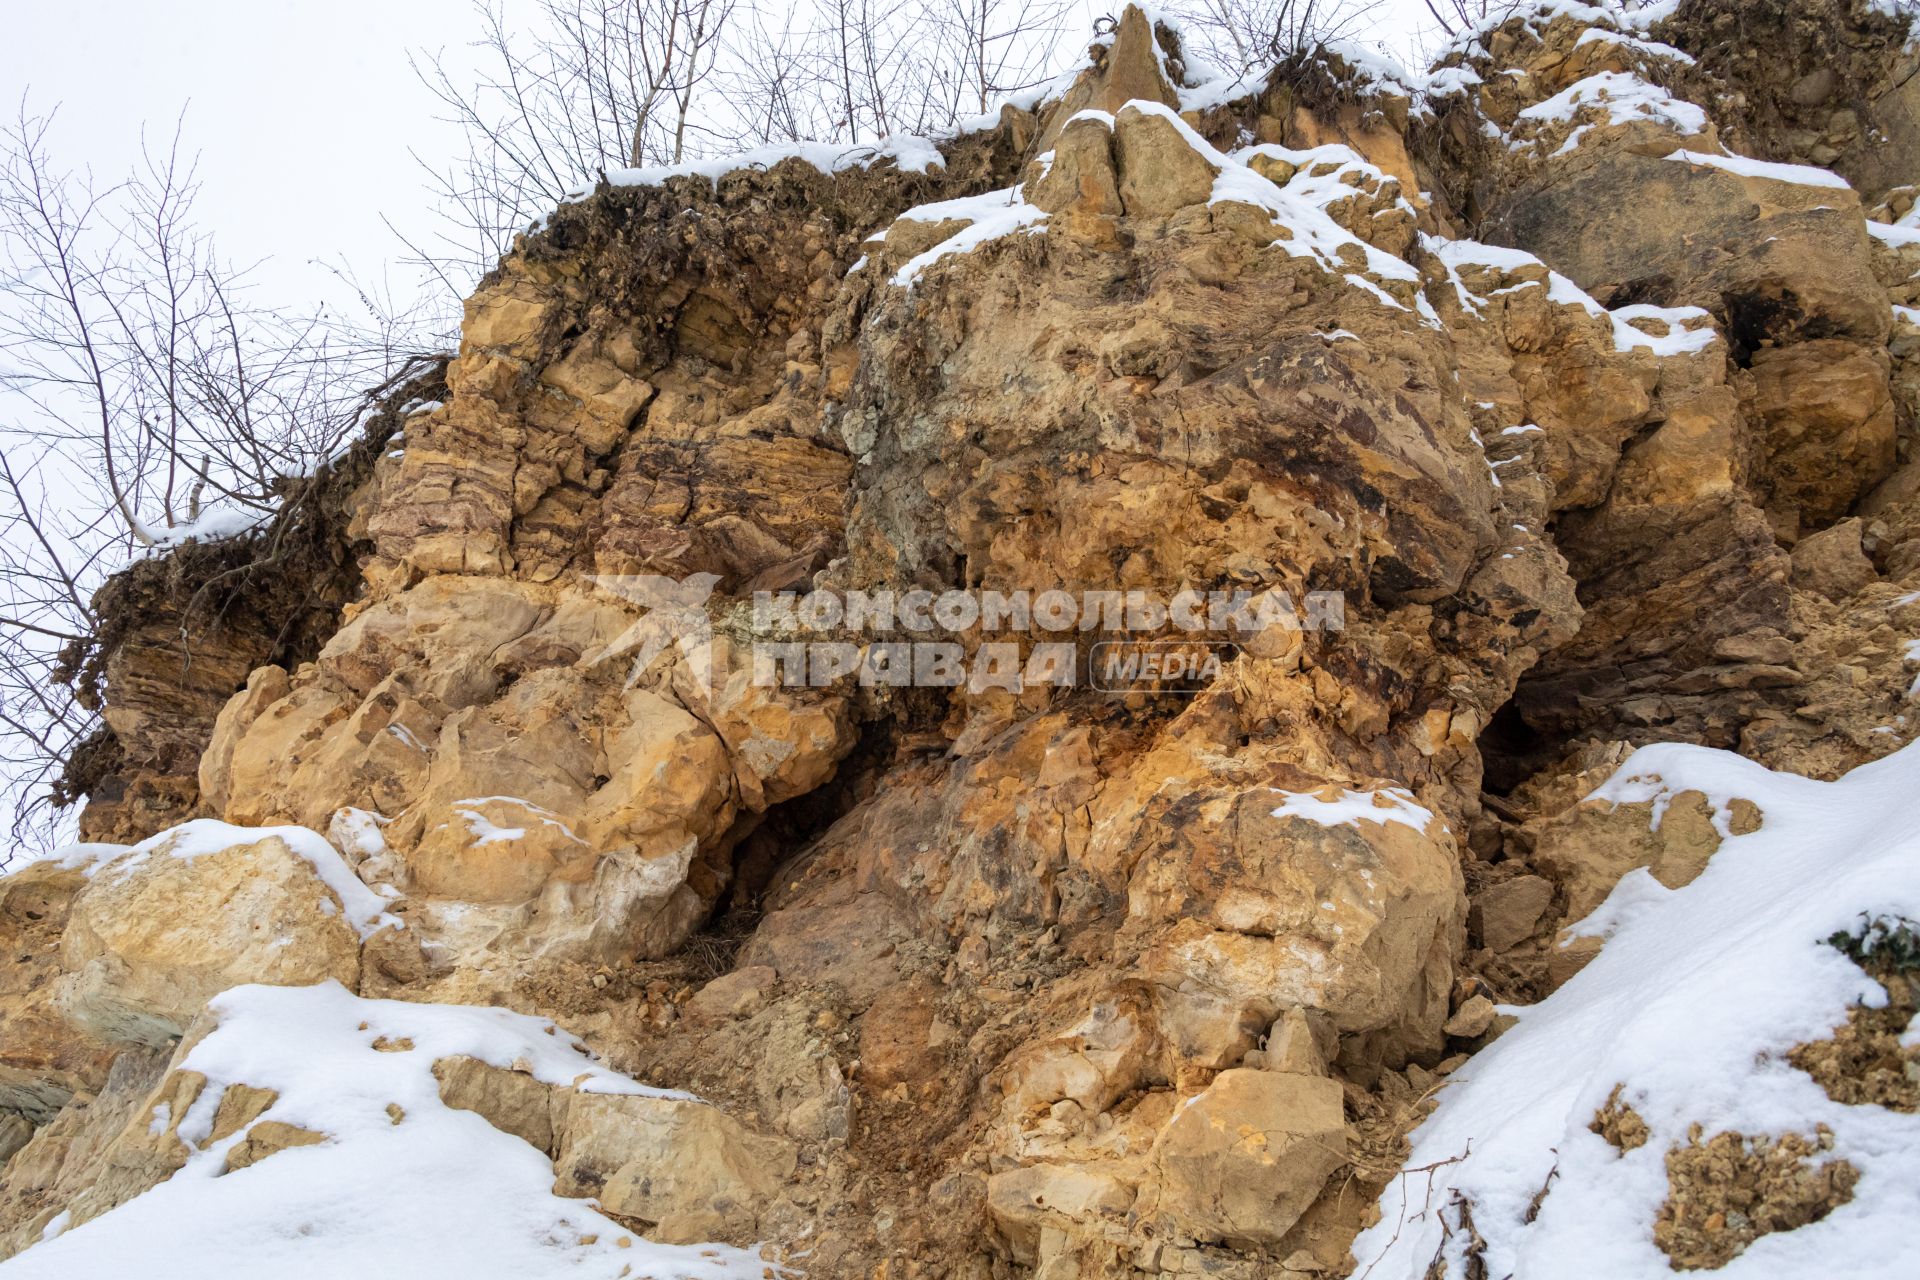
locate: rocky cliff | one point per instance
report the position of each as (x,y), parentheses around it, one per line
(1580,373)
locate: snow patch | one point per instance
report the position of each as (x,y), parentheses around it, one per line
(1624,97)
(989,217)
(1392,804)
(210,526)
(1893,234)
(1798,174)
(1682,330)
(1677,340)
(1323,176)
(1652,48)
(484,831)
(909,153)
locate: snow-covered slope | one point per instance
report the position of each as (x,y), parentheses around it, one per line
(1690,1010)
(402,1185)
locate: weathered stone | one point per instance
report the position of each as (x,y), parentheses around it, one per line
(267,1138)
(1025,1202)
(492,848)
(1506,912)
(1055,980)
(511,1101)
(1588,847)
(1242,1161)
(15,1132)
(1294,1047)
(96,1154)
(265,686)
(686,1168)
(44,1059)
(1355,920)
(847,943)
(1831,562)
(153,936)
(1783,256)
(1829,428)
(1471,1019)
(1160,171)
(1126,69)
(733,995)
(1079,184)
(500,319)
(781,742)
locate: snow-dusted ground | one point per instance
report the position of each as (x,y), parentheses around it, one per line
(1691,1008)
(436,1193)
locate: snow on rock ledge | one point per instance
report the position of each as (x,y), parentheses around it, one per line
(909,154)
(348,1162)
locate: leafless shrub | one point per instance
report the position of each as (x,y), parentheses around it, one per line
(143,395)
(1457,16)
(922,66)
(1239,36)
(591,86)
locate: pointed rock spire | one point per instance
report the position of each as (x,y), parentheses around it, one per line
(1129,66)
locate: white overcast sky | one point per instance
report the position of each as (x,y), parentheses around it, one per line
(302,112)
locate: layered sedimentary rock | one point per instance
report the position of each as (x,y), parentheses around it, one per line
(1598,428)
(180,631)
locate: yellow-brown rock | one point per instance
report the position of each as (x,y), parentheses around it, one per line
(44,1060)
(1160,170)
(1028,979)
(1829,422)
(686,1168)
(1242,1161)
(1127,68)
(152,936)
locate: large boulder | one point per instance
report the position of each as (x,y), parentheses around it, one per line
(1128,67)
(1243,1160)
(1345,901)
(1589,847)
(1782,250)
(682,1169)
(1826,409)
(164,927)
(579,755)
(686,1169)
(1161,171)
(95,1154)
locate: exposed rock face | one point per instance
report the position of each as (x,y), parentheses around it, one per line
(1600,433)
(43,1061)
(95,1154)
(684,1168)
(1693,629)
(1821,82)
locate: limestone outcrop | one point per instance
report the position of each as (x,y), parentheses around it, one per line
(1487,428)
